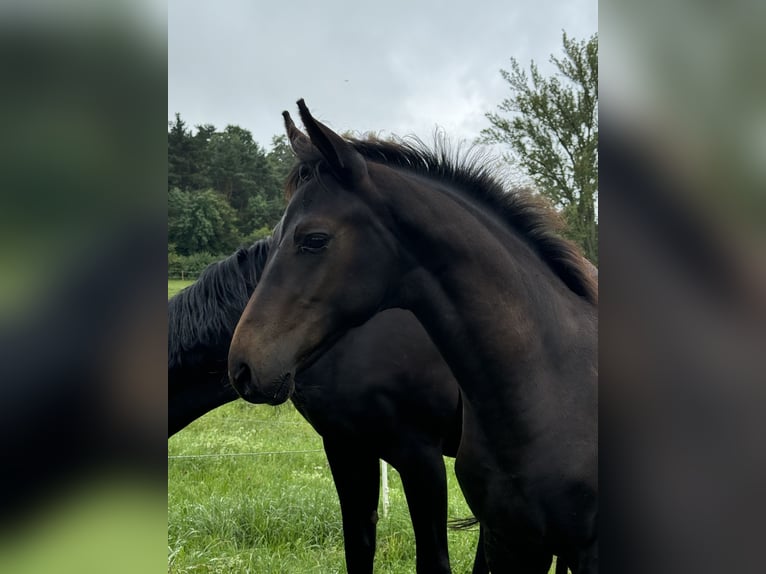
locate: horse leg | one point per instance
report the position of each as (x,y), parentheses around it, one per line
(357,480)
(587,560)
(425,485)
(480,561)
(506,554)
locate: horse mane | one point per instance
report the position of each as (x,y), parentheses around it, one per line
(207,311)
(470,172)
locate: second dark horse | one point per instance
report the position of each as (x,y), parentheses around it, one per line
(382,392)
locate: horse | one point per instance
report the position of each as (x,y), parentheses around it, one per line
(383,391)
(512,306)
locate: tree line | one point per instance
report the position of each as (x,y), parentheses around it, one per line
(225,190)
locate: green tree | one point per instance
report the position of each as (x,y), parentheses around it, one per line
(179,153)
(188,156)
(261,212)
(200,221)
(551,127)
(246,178)
(238,165)
(200,157)
(281,157)
(265,207)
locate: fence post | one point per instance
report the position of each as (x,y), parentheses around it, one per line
(384,480)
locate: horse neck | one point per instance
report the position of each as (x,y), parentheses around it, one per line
(196,397)
(493,307)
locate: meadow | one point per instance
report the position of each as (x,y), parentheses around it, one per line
(261,499)
(250,492)
(175,285)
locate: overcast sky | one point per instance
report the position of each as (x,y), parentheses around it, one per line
(392,67)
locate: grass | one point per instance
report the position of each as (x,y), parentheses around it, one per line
(276,512)
(175,285)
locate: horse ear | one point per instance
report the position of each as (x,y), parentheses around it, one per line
(347,163)
(299,142)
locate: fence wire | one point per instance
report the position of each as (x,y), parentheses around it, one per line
(225,454)
(383,466)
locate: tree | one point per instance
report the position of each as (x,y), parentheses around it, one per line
(246,182)
(281,157)
(200,221)
(553,134)
(178,153)
(266,207)
(187,156)
(200,150)
(238,165)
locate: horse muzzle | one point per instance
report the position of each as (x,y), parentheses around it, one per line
(247,384)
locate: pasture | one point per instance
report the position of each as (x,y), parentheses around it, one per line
(175,285)
(276,512)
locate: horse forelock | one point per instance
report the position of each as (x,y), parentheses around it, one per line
(302,172)
(470,172)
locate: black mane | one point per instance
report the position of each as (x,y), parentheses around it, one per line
(206,312)
(530,215)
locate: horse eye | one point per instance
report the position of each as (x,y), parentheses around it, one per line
(314,242)
(304,173)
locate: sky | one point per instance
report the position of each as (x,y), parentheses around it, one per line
(397,67)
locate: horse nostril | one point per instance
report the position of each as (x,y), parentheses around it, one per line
(241,375)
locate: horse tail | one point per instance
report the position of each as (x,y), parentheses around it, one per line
(561,566)
(463,523)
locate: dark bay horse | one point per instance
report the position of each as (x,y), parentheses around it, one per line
(373,225)
(382,392)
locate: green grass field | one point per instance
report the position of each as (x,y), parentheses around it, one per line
(175,285)
(275,512)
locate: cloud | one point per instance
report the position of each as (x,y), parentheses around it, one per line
(396,67)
